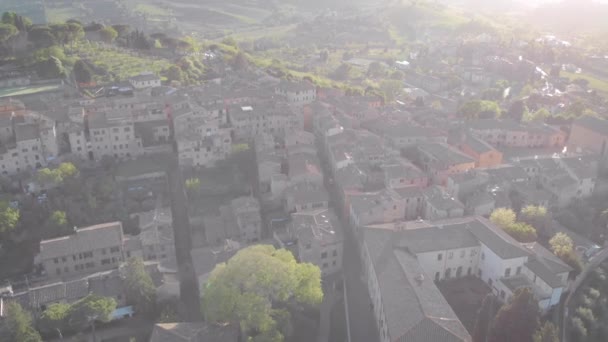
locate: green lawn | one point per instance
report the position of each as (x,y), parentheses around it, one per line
(124,65)
(596,83)
(29,90)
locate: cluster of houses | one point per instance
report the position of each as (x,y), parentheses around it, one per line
(411,186)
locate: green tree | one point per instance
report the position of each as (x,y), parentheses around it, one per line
(547,333)
(82,72)
(485,316)
(375,69)
(17,324)
(342,72)
(7,31)
(561,244)
(255,286)
(503,217)
(141,291)
(47,177)
(193,186)
(175,73)
(67,170)
(516,320)
(9,217)
(537,217)
(477,108)
(539,116)
(54,318)
(579,331)
(50,68)
(241,61)
(108,34)
(57,222)
(75,32)
(390,89)
(573,260)
(41,37)
(517,110)
(522,232)
(91,308)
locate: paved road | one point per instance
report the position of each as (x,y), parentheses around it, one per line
(595,262)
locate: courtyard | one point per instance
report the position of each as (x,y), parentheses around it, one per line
(465,296)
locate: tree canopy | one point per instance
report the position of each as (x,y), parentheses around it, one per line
(255,287)
(141,291)
(9,217)
(108,34)
(547,333)
(561,244)
(478,108)
(18,324)
(516,320)
(82,72)
(522,232)
(485,316)
(503,217)
(54,318)
(91,307)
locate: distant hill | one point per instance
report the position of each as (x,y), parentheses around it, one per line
(572,16)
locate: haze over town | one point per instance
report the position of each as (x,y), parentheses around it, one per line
(331,171)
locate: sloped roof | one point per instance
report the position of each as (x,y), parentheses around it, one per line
(413,306)
(104,235)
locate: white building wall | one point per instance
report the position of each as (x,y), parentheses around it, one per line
(436,269)
(493,267)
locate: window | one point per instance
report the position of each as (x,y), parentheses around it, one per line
(518,271)
(308,246)
(439,256)
(127,129)
(450,255)
(325,265)
(103,251)
(105,261)
(483,256)
(66,270)
(462,253)
(58,271)
(395,207)
(502,294)
(508,272)
(335,253)
(87,254)
(56,260)
(437,276)
(333,263)
(114,249)
(64,259)
(323,255)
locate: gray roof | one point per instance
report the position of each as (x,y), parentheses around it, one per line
(193,332)
(583,167)
(507,173)
(366,201)
(414,308)
(26,132)
(478,145)
(87,239)
(322,224)
(444,154)
(440,200)
(438,238)
(496,239)
(307,192)
(544,273)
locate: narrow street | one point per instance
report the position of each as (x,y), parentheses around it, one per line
(360,315)
(360,318)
